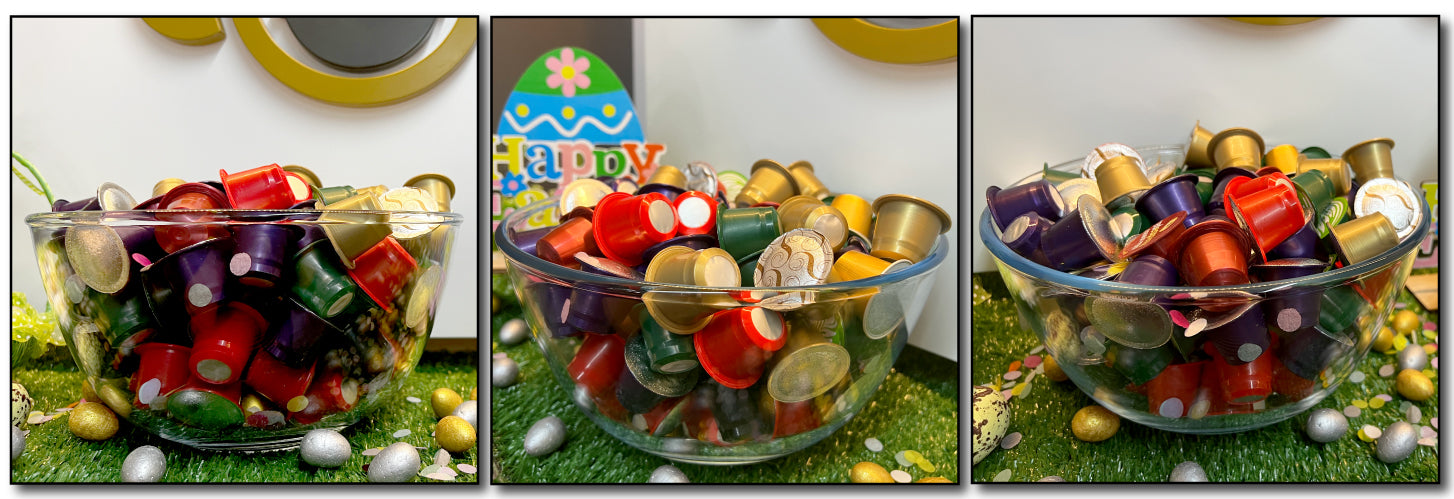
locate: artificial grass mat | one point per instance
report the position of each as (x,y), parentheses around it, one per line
(53,454)
(1277,453)
(916,408)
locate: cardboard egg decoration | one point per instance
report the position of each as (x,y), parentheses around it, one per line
(570,94)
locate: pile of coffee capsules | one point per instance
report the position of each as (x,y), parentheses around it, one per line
(775,363)
(1228,215)
(259,318)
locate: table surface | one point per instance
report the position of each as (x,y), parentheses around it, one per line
(53,454)
(1278,453)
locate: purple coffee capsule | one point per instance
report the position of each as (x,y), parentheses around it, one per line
(590,306)
(1301,244)
(140,239)
(1023,236)
(1149,270)
(610,181)
(1308,351)
(1038,196)
(1068,244)
(1242,339)
(1175,194)
(856,242)
(1289,310)
(198,274)
(553,301)
(1215,204)
(527,239)
(670,191)
(261,253)
(88,204)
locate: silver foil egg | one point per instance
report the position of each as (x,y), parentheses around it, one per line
(503,372)
(545,436)
(514,331)
(468,411)
(144,464)
(1397,442)
(17,442)
(668,474)
(396,463)
(1413,357)
(1326,425)
(1188,471)
(325,448)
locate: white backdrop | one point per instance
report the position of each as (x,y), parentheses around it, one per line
(732,91)
(1051,89)
(98,100)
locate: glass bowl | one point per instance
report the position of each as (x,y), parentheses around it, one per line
(243,329)
(838,343)
(1072,314)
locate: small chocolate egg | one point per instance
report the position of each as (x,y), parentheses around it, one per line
(1094,423)
(93,421)
(866,472)
(1413,357)
(1384,340)
(1406,322)
(144,464)
(503,372)
(1326,425)
(668,474)
(20,404)
(1051,478)
(1397,442)
(1052,369)
(514,331)
(1414,385)
(468,411)
(325,448)
(1188,471)
(455,434)
(933,479)
(17,442)
(398,462)
(991,418)
(544,436)
(444,401)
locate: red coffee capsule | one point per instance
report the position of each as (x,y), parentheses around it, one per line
(191,196)
(1290,385)
(222,341)
(1172,392)
(383,270)
(164,362)
(560,245)
(1271,215)
(331,392)
(696,214)
(279,382)
(1247,383)
(1213,252)
(736,343)
(598,363)
(626,225)
(230,391)
(794,418)
(1157,240)
(1208,400)
(261,188)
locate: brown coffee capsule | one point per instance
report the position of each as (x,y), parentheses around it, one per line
(1239,147)
(1196,148)
(1364,237)
(808,183)
(807,212)
(439,185)
(1335,168)
(353,233)
(308,175)
(906,227)
(1120,176)
(669,175)
(856,210)
(770,182)
(1371,159)
(165,185)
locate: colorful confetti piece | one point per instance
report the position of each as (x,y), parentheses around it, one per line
(913,456)
(1010,441)
(1195,327)
(903,461)
(1178,319)
(402,433)
(1375,403)
(372,452)
(1430,334)
(467,469)
(1014,366)
(1434,362)
(1017,389)
(1037,349)
(1382,396)
(1427,432)
(1413,415)
(1007,395)
(901,476)
(1003,476)
(413,399)
(1363,435)
(1430,373)
(1360,403)
(1033,361)
(1434,422)
(873,444)
(1429,442)
(1013,375)
(925,465)
(1431,326)
(1010,384)
(1025,391)
(1352,411)
(1356,377)
(1372,431)
(1386,370)
(1430,348)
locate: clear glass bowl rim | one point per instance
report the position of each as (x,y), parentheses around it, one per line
(539,266)
(1023,265)
(120,218)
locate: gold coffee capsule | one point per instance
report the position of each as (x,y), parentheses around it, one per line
(807,366)
(421,299)
(99,257)
(411,229)
(669,175)
(1364,237)
(353,233)
(1335,168)
(808,183)
(1120,176)
(857,211)
(906,227)
(1284,157)
(685,312)
(1196,148)
(376,191)
(1371,159)
(683,265)
(1239,147)
(769,182)
(852,266)
(308,175)
(583,192)
(165,186)
(807,212)
(439,185)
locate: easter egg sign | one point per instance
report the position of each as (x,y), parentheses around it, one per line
(567,118)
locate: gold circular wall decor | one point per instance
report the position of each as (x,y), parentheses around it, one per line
(188,30)
(1275,21)
(364,91)
(929,44)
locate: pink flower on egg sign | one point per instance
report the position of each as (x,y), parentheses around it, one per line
(568,71)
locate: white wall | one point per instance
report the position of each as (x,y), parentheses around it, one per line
(732,91)
(1050,90)
(98,100)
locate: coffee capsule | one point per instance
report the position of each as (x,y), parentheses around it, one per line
(737,417)
(808,365)
(1214,252)
(1071,191)
(799,257)
(1334,168)
(320,282)
(1314,190)
(1236,147)
(1127,222)
(164,362)
(334,194)
(794,418)
(303,173)
(1394,200)
(210,407)
(261,188)
(747,265)
(1038,196)
(191,196)
(261,252)
(330,392)
(1173,195)
(359,228)
(528,240)
(1301,244)
(1371,159)
(807,212)
(1242,339)
(856,211)
(553,303)
(279,382)
(685,313)
(570,237)
(164,185)
(1149,270)
(583,192)
(296,336)
(1138,365)
(853,266)
(696,213)
(736,344)
(383,271)
(770,182)
(665,385)
(695,242)
(1103,153)
(668,353)
(123,318)
(198,274)
(88,204)
(1363,238)
(223,340)
(808,183)
(1133,323)
(624,225)
(1197,155)
(1308,351)
(1215,204)
(907,227)
(1173,391)
(1160,239)
(667,174)
(1270,215)
(411,229)
(439,186)
(99,256)
(111,197)
(701,177)
(1291,309)
(631,394)
(668,191)
(1315,152)
(1121,176)
(856,242)
(1243,384)
(1283,157)
(744,231)
(593,308)
(598,363)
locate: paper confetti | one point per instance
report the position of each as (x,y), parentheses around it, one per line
(1014,366)
(1178,319)
(1413,414)
(1429,442)
(1386,370)
(1434,422)
(1375,403)
(1427,432)
(1360,403)
(1003,476)
(402,433)
(1013,375)
(1430,348)
(1011,440)
(372,452)
(1382,396)
(1032,361)
(873,444)
(466,469)
(901,476)
(1025,390)
(1372,431)
(1352,411)
(413,399)
(1356,377)
(1037,349)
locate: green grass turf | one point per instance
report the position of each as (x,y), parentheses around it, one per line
(1277,453)
(916,409)
(53,454)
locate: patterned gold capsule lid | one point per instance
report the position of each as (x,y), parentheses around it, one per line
(408,199)
(439,185)
(799,257)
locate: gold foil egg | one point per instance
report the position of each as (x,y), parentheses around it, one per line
(1094,424)
(444,401)
(1384,340)
(93,421)
(1406,322)
(455,435)
(1052,369)
(991,417)
(933,479)
(866,472)
(1413,385)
